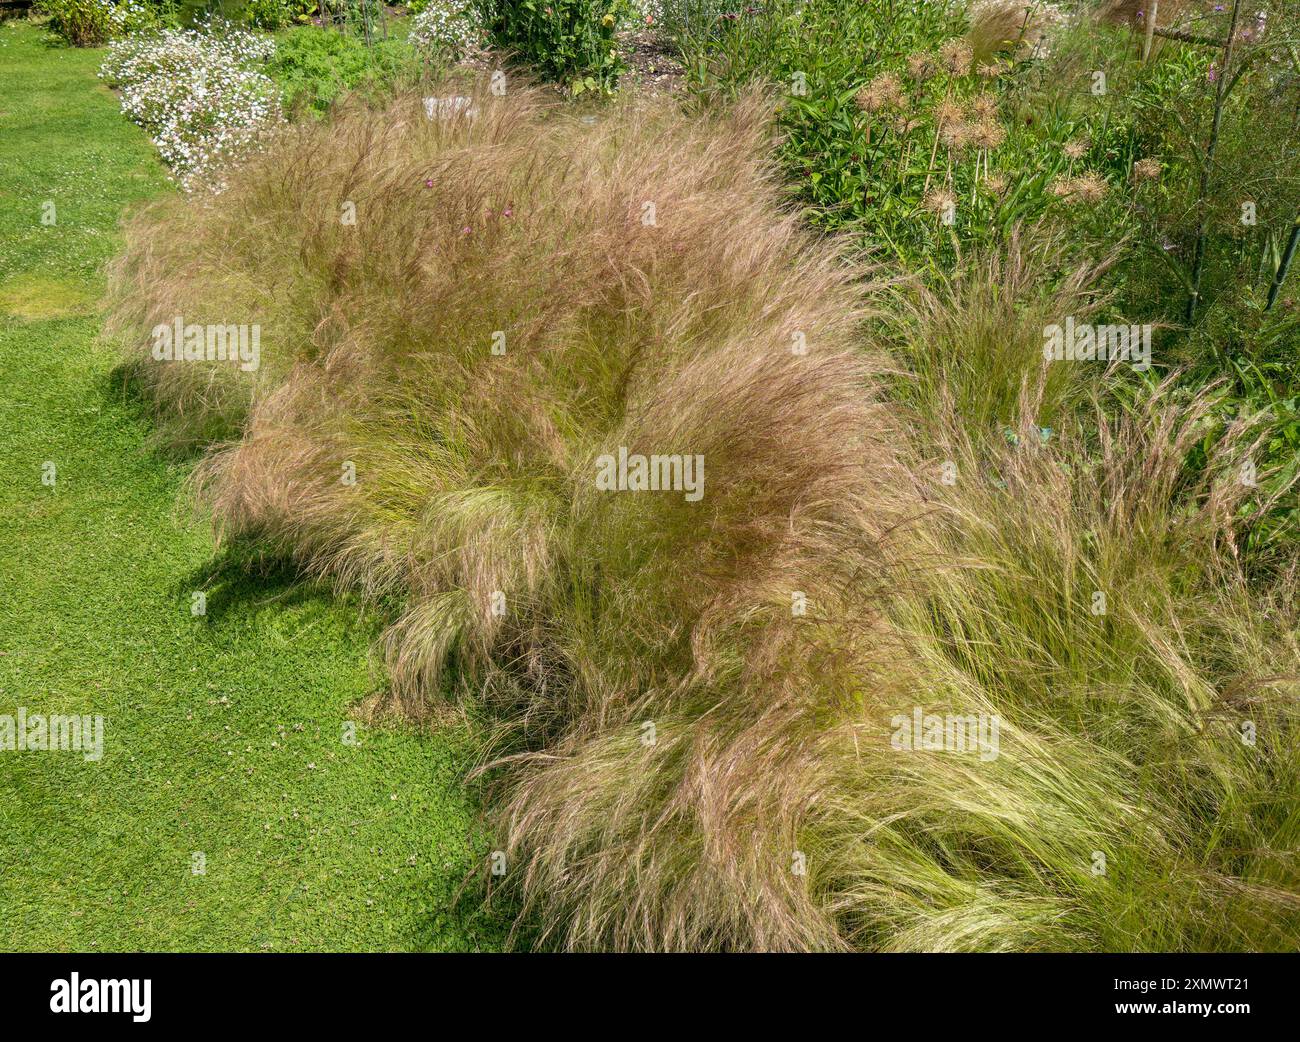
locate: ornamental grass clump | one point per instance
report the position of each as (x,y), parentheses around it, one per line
(475,320)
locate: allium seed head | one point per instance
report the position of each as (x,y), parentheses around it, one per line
(1076,148)
(957,57)
(881,93)
(1146,169)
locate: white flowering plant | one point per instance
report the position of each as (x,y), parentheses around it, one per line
(448,29)
(199,93)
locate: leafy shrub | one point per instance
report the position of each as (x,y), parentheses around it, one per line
(1182,221)
(276,14)
(572,41)
(314,67)
(90,23)
(366,18)
(447,29)
(198,93)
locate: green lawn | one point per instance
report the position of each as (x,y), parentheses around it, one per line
(223,733)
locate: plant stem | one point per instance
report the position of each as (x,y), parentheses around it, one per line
(1151,28)
(1198,261)
(933,152)
(1282,268)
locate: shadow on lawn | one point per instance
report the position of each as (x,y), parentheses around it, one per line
(240,577)
(238,583)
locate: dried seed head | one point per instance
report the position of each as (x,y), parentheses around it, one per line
(1087,188)
(956,136)
(949,110)
(1090,188)
(1076,148)
(1146,169)
(939,200)
(883,92)
(987,135)
(984,106)
(957,57)
(921,66)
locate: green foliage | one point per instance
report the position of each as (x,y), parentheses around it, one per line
(314,66)
(366,18)
(570,41)
(276,14)
(888,120)
(1236,213)
(1253,353)
(678,20)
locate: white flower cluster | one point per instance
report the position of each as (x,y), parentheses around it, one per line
(448,28)
(198,94)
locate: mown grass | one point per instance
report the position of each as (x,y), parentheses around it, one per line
(224,732)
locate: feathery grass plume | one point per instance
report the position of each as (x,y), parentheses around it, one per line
(1001,26)
(710,325)
(694,699)
(1012,29)
(1134,13)
(1133,721)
